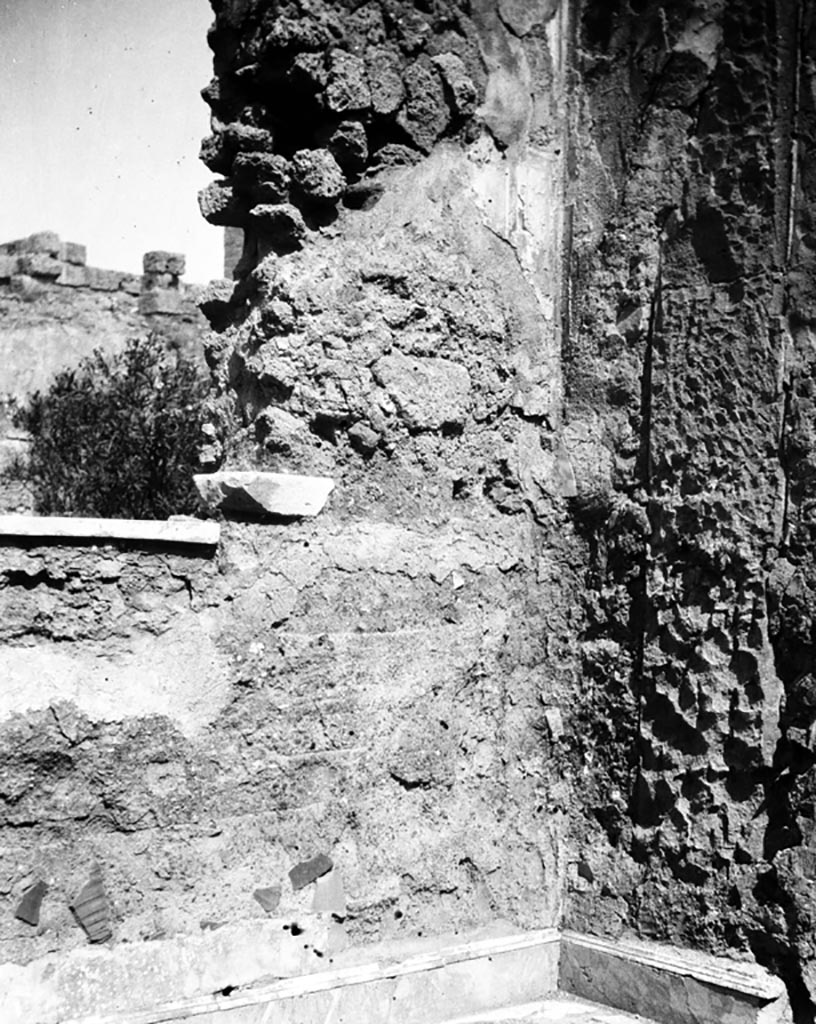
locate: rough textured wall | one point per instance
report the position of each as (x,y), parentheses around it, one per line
(386,684)
(690,354)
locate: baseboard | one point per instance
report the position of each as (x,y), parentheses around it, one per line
(269,972)
(225,978)
(670,985)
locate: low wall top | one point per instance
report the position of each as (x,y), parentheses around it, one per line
(68,528)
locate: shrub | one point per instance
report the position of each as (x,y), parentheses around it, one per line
(117,436)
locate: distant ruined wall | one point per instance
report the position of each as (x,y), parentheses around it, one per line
(55,310)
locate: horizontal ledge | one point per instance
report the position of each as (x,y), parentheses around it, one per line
(383,968)
(68,528)
(739,977)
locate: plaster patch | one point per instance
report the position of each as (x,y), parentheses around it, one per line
(180,675)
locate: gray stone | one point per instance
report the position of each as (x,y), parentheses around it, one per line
(160,262)
(384,73)
(347,87)
(73,252)
(460,84)
(363,437)
(104,280)
(160,300)
(262,494)
(425,115)
(282,223)
(74,276)
(269,897)
(308,870)
(220,206)
(428,392)
(349,145)
(40,264)
(317,175)
(28,909)
(8,267)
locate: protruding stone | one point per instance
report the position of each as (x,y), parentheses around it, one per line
(92,908)
(8,267)
(348,144)
(74,276)
(160,300)
(282,224)
(460,85)
(73,252)
(347,87)
(220,206)
(308,870)
(318,176)
(215,303)
(363,437)
(160,262)
(428,392)
(264,176)
(269,898)
(28,909)
(40,264)
(47,242)
(425,116)
(104,280)
(256,493)
(384,74)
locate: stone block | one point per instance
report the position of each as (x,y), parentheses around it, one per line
(219,205)
(261,494)
(73,252)
(8,267)
(40,264)
(24,284)
(28,909)
(462,91)
(174,531)
(670,985)
(425,116)
(282,224)
(47,242)
(75,276)
(268,897)
(347,87)
(308,870)
(384,75)
(428,392)
(104,280)
(131,284)
(160,262)
(317,176)
(160,300)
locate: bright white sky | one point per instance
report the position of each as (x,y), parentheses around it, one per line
(100,124)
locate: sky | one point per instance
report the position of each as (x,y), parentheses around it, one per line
(100,125)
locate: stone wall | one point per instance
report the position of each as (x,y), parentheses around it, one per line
(387,683)
(532,284)
(55,310)
(690,356)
